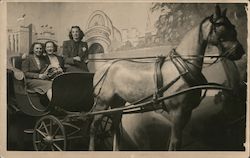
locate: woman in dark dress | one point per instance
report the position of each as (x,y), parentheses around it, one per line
(75,51)
(33,67)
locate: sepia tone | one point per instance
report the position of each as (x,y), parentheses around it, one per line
(138,31)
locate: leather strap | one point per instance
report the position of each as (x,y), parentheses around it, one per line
(158,77)
(193,78)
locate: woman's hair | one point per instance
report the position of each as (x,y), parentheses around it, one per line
(31,51)
(54,45)
(81,33)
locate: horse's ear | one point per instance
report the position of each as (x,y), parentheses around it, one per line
(224,13)
(217,12)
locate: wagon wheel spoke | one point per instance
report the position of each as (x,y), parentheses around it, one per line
(58,139)
(51,127)
(57,147)
(56,131)
(49,134)
(45,127)
(40,132)
(104,134)
(40,126)
(106,123)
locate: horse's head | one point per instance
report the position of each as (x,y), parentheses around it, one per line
(224,36)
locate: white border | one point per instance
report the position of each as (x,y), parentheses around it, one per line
(3,128)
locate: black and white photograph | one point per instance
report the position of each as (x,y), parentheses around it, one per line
(134,78)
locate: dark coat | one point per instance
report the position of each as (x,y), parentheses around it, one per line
(32,71)
(30,67)
(70,51)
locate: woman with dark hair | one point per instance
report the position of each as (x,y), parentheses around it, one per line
(56,62)
(75,51)
(33,67)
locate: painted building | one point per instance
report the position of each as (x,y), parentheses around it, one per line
(46,34)
(102,36)
(20,39)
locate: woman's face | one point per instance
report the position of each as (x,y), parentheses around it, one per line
(37,49)
(75,33)
(49,48)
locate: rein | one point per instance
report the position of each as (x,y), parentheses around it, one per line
(186,58)
(135,59)
(170,56)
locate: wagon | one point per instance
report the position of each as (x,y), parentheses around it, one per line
(58,121)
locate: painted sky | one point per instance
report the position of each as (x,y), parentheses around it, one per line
(61,16)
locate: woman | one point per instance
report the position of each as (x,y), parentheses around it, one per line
(56,62)
(33,67)
(75,51)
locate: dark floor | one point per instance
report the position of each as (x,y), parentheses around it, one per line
(209,130)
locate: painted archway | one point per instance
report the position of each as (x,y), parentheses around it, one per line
(96,48)
(101,30)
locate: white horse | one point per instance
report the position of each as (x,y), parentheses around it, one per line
(129,81)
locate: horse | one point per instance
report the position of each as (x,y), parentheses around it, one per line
(122,81)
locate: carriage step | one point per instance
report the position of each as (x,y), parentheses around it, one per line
(29,131)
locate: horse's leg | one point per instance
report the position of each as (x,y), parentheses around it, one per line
(96,121)
(116,102)
(116,123)
(179,120)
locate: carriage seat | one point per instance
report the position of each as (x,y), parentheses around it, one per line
(28,102)
(16,62)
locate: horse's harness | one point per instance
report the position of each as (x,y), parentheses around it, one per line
(193,78)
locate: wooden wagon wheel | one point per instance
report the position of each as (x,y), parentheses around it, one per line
(104,134)
(49,135)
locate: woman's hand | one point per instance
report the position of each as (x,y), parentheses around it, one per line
(84,49)
(59,70)
(43,76)
(77,58)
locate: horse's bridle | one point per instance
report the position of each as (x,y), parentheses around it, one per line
(223,53)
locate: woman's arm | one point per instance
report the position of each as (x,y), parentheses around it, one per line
(66,54)
(26,70)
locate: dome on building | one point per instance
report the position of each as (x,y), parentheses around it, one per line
(100,30)
(47,33)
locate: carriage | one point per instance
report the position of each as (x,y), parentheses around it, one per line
(73,102)
(57,121)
